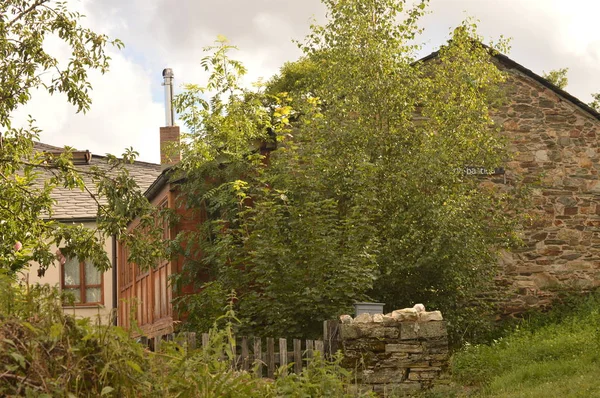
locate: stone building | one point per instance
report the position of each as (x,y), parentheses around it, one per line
(554,139)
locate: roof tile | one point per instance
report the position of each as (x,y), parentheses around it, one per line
(74,203)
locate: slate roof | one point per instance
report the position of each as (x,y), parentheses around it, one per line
(45,147)
(77,205)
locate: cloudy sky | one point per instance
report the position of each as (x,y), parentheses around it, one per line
(128,106)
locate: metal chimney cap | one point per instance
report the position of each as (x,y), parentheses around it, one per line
(167,72)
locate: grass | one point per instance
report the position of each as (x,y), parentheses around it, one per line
(556,355)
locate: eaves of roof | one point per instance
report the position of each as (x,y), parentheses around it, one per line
(165,177)
(135,162)
(74,220)
(158,184)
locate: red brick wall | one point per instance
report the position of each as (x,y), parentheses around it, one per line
(169,139)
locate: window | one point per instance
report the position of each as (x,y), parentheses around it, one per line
(83,281)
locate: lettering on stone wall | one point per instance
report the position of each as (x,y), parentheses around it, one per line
(482,171)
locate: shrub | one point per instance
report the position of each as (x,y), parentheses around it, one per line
(44,352)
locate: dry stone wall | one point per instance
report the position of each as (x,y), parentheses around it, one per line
(556,152)
(403,351)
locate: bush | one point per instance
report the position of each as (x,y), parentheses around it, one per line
(44,352)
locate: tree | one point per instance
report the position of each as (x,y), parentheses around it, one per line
(26,232)
(558,77)
(596,102)
(365,196)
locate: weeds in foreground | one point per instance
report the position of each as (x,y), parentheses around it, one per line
(45,353)
(539,358)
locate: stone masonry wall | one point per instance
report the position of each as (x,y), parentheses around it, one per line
(403,351)
(555,147)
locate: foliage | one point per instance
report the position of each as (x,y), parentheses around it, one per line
(27,176)
(596,102)
(558,77)
(207,372)
(47,353)
(226,147)
(365,196)
(44,353)
(320,378)
(554,355)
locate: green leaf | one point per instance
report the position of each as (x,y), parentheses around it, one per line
(134,366)
(19,358)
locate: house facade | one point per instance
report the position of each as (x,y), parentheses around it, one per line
(553,137)
(93,292)
(145,294)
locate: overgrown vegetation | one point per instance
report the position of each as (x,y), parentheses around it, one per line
(596,102)
(558,77)
(548,355)
(45,353)
(365,196)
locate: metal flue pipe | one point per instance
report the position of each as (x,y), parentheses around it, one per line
(168,83)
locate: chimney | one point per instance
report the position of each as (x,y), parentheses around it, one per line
(169,135)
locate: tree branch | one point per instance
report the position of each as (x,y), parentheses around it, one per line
(37,3)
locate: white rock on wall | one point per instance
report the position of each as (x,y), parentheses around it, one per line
(345,318)
(417,313)
(378,318)
(430,316)
(406,314)
(363,318)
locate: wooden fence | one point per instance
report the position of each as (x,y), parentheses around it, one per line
(264,356)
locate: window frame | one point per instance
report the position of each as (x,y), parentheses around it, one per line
(82,287)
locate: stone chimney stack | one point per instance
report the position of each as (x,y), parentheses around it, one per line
(169,135)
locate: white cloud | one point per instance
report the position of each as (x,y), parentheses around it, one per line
(577,28)
(123,113)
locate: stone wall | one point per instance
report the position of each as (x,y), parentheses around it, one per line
(556,152)
(403,351)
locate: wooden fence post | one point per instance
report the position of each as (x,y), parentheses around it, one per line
(319,347)
(245,354)
(283,356)
(330,338)
(270,357)
(297,356)
(310,346)
(258,356)
(191,341)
